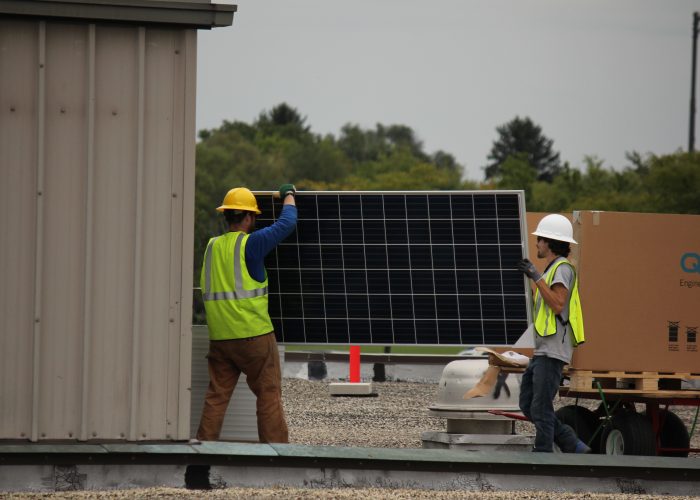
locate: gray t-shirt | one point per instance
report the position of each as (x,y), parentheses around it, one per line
(559,345)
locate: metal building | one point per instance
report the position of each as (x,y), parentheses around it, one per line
(97,141)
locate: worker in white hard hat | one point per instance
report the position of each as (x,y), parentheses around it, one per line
(241,337)
(558,329)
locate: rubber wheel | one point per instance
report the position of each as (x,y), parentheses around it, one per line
(628,434)
(583,421)
(673,434)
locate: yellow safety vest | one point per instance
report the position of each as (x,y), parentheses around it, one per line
(545,321)
(235,303)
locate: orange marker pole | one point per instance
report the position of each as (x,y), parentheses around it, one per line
(354,363)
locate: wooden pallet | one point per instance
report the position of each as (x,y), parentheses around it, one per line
(583,380)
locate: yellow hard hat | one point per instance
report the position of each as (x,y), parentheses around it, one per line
(240,199)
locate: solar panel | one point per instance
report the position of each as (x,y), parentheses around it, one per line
(431,268)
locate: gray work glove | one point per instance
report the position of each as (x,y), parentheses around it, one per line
(529,269)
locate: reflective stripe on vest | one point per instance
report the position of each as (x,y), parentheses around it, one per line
(235,303)
(238,292)
(545,320)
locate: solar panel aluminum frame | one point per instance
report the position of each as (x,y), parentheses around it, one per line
(271,207)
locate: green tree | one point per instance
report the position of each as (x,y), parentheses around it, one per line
(522,136)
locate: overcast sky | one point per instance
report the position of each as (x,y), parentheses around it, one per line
(601,77)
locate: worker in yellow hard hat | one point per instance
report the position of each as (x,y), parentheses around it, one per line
(558,329)
(235,291)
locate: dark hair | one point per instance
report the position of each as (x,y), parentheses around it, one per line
(235,216)
(557,247)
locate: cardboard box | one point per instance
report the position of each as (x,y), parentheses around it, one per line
(640,291)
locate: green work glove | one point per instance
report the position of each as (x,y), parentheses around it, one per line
(286,189)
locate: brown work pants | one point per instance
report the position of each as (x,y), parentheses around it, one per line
(258,358)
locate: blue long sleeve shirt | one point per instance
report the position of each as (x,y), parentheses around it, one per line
(262,241)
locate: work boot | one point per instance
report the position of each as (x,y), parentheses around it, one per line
(197,477)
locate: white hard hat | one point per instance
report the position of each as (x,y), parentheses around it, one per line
(555,227)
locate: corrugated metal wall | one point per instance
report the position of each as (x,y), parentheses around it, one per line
(96,216)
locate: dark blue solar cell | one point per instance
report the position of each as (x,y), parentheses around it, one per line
(337,331)
(400,281)
(510,256)
(472,332)
(492,306)
(509,231)
(316,331)
(514,330)
(418,231)
(306,207)
(382,331)
(331,256)
(495,331)
(447,307)
(396,232)
(358,306)
(469,306)
(467,281)
(350,207)
(463,206)
(328,207)
(486,232)
(441,232)
(512,282)
(489,257)
(448,332)
(294,330)
(490,282)
(508,206)
(445,281)
(398,257)
(291,280)
(394,207)
(372,207)
(311,280)
(273,305)
(380,306)
(484,206)
(335,305)
(427,332)
(352,231)
(330,231)
(417,206)
(516,306)
(291,305)
(424,306)
(378,281)
(463,231)
(334,281)
(307,231)
(422,281)
(443,256)
(375,256)
(313,306)
(439,207)
(356,281)
(374,232)
(465,256)
(354,256)
(402,306)
(420,257)
(360,331)
(309,256)
(404,331)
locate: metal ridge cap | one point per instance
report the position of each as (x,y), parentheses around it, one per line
(185,14)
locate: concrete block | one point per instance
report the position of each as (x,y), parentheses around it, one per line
(477,442)
(361,389)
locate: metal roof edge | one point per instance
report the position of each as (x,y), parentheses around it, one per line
(197,15)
